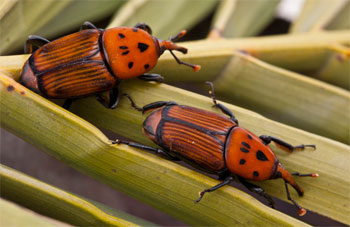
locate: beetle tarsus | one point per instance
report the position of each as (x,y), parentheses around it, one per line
(228,180)
(133,103)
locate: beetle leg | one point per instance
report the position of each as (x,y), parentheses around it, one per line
(302,211)
(67,103)
(227,181)
(34,41)
(158,151)
(258,190)
(153,105)
(113,99)
(87,25)
(145,27)
(219,105)
(284,145)
(151,77)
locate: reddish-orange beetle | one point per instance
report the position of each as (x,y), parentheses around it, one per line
(93,60)
(216,144)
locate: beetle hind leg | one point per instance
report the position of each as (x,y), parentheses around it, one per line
(219,105)
(158,151)
(34,41)
(151,106)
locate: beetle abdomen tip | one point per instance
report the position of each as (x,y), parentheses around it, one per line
(28,78)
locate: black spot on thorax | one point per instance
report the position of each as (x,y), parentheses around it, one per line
(142,46)
(242,161)
(244,150)
(246,145)
(134,29)
(261,156)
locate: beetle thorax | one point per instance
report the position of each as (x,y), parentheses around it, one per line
(247,156)
(130,52)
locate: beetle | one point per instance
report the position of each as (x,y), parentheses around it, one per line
(93,61)
(216,144)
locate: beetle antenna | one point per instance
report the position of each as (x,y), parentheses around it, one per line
(170,45)
(178,36)
(194,67)
(133,103)
(302,211)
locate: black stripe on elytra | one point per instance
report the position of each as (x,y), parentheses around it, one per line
(166,117)
(142,46)
(246,145)
(130,64)
(244,150)
(249,136)
(255,174)
(261,156)
(122,36)
(125,53)
(134,30)
(123,47)
(161,143)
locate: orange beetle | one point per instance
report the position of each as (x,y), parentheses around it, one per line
(217,145)
(93,60)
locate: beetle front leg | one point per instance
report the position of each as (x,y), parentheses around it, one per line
(34,41)
(145,27)
(228,180)
(284,145)
(151,77)
(113,99)
(219,105)
(254,188)
(158,151)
